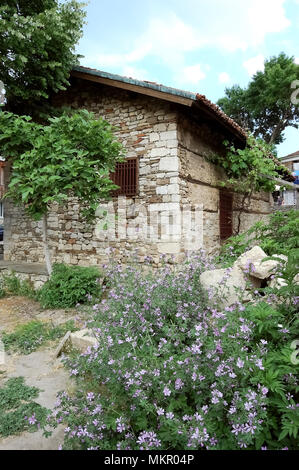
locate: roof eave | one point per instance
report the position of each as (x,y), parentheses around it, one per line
(154,90)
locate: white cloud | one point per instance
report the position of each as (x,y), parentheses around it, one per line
(111,60)
(223,77)
(297,58)
(192,74)
(254,64)
(134,72)
(227,26)
(169,37)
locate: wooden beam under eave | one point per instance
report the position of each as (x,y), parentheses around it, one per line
(135,88)
(214,116)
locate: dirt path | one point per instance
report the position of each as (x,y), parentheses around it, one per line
(17,310)
(39,368)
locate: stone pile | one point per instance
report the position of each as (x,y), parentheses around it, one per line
(249,272)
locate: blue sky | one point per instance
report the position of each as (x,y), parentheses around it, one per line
(196,45)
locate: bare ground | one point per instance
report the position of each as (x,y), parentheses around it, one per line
(39,368)
(16,310)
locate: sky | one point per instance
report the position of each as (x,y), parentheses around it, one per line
(202,46)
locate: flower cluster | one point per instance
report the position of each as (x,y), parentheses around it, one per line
(172,370)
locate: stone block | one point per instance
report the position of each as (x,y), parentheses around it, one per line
(169,164)
(162,189)
(159,152)
(169,248)
(172,189)
(168,135)
(82,339)
(154,136)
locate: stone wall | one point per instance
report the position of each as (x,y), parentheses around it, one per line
(147,127)
(174,174)
(201,180)
(35,280)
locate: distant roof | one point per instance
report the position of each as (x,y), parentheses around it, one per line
(186,98)
(291,156)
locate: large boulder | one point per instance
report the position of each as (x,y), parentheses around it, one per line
(230,284)
(251,262)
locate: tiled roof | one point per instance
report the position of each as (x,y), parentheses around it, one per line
(295,154)
(196,98)
(177,94)
(220,113)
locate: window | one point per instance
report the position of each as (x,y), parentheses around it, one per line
(225,214)
(289,198)
(126,177)
(2,165)
(1,210)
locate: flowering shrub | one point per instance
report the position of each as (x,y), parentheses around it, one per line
(279,234)
(174,371)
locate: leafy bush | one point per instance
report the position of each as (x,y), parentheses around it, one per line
(18,412)
(28,337)
(275,328)
(175,371)
(279,234)
(70,285)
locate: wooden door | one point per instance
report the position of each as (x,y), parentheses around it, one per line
(226,214)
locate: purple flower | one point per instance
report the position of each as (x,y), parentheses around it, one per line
(259,364)
(148,440)
(167,392)
(32,419)
(120,425)
(90,396)
(178,384)
(240,363)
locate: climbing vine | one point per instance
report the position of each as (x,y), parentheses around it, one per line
(249,170)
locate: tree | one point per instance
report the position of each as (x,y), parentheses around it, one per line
(37,41)
(265,106)
(72,156)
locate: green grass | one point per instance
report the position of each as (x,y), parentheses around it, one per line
(10,284)
(30,336)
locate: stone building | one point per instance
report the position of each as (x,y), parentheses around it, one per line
(170,198)
(286,198)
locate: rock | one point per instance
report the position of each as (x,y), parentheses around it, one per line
(230,283)
(62,344)
(277,283)
(252,262)
(82,339)
(283,258)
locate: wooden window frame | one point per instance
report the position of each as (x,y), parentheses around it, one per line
(124,191)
